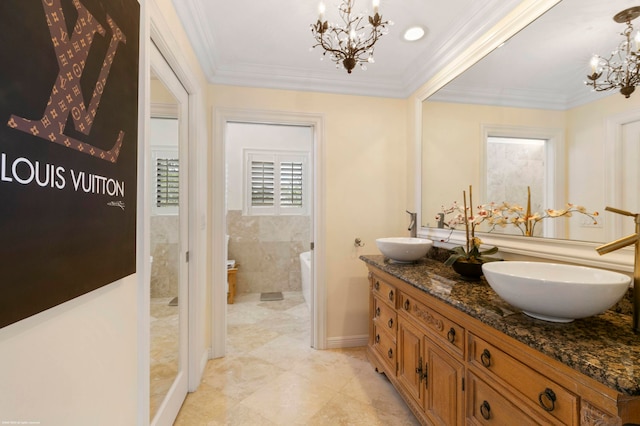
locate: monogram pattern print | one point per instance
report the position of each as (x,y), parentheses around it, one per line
(66,95)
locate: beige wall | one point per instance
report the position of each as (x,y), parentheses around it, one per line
(74,363)
(78,363)
(452,156)
(365,184)
(586,148)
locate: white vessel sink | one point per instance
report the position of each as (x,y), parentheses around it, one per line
(404,249)
(555,292)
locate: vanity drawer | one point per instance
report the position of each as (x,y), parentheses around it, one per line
(451,334)
(384,291)
(486,406)
(385,345)
(384,317)
(545,394)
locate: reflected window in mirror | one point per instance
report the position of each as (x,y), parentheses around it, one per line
(515,166)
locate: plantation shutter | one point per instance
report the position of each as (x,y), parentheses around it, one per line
(262,183)
(167,182)
(291,184)
(275,183)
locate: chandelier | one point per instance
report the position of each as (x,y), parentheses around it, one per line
(622,69)
(353,42)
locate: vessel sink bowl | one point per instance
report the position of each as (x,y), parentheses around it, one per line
(555,292)
(404,249)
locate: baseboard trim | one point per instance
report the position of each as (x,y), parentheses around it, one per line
(347,341)
(203,361)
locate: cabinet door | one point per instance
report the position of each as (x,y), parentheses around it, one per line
(444,402)
(410,360)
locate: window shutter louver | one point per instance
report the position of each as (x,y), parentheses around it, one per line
(262,183)
(167,182)
(291,184)
(275,183)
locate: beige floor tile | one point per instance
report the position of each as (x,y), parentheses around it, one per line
(330,369)
(272,377)
(241,376)
(290,399)
(205,406)
(163,350)
(344,410)
(371,387)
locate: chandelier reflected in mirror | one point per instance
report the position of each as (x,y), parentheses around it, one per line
(352,42)
(622,69)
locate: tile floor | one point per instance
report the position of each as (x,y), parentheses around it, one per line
(271,376)
(164,350)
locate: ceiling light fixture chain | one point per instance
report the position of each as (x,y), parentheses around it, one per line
(349,45)
(622,69)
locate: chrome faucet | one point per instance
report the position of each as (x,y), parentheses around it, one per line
(624,242)
(412,225)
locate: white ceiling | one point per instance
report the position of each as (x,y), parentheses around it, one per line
(546,64)
(267,44)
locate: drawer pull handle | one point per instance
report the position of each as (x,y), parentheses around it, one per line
(485,410)
(391,295)
(377,286)
(377,338)
(407,305)
(485,358)
(378,312)
(390,323)
(547,399)
(390,353)
(451,335)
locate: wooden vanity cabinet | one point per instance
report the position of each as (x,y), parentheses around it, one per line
(383,326)
(430,360)
(452,369)
(546,398)
(429,369)
(432,377)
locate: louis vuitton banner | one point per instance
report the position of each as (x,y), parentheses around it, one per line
(68,149)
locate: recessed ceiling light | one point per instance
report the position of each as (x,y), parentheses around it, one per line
(414,33)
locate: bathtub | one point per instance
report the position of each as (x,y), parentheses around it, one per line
(305,274)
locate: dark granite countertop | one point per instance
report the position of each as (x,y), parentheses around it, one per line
(602,347)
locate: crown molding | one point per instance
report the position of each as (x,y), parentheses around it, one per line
(485,15)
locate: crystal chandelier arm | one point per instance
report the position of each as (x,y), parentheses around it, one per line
(326,40)
(343,43)
(622,69)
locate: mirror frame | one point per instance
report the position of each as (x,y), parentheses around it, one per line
(577,252)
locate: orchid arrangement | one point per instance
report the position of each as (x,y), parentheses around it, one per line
(501,215)
(471,251)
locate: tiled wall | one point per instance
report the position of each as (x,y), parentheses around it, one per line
(267,249)
(511,168)
(165,252)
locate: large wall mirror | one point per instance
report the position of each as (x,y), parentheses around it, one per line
(532,87)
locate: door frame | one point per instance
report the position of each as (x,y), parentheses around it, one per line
(161,35)
(156,30)
(614,168)
(173,399)
(222,116)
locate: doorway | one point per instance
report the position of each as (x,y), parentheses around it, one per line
(219,294)
(169,235)
(269,211)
